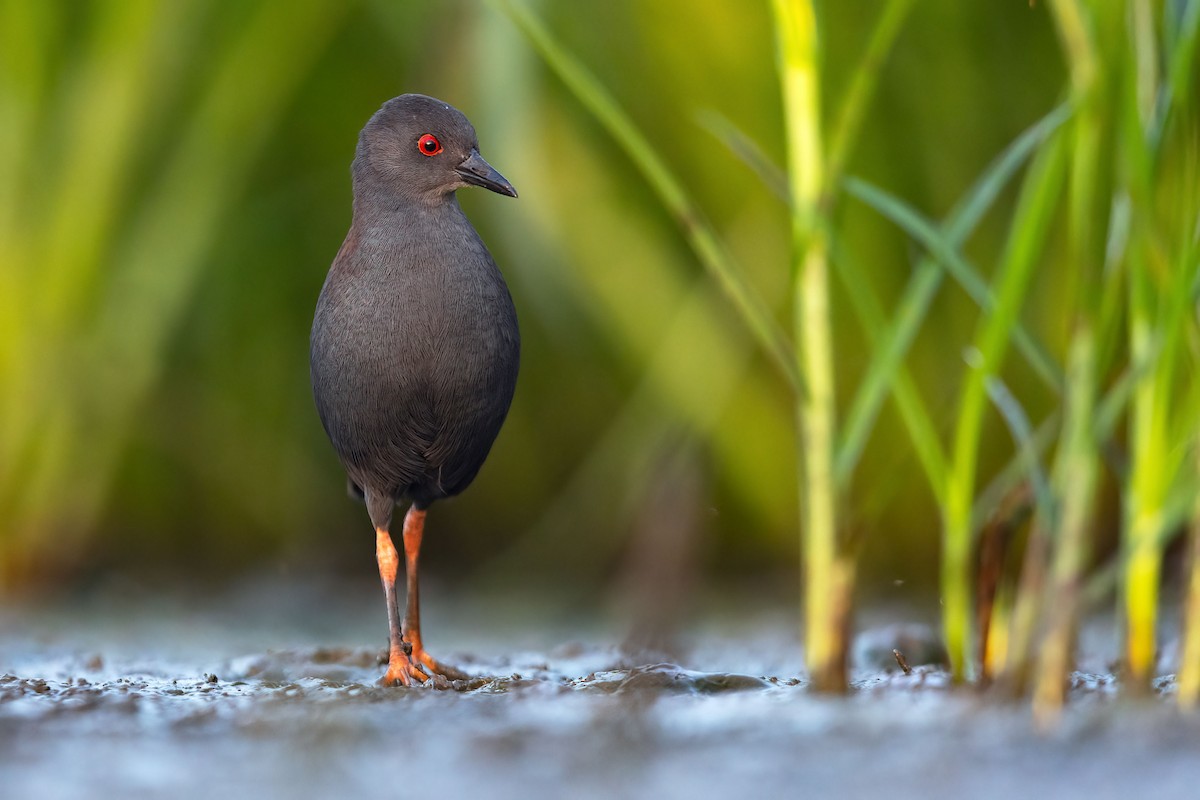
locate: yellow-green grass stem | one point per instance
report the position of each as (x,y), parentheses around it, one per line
(1075,478)
(1188,676)
(1076,463)
(826,593)
(1161,275)
(1027,235)
(1146,492)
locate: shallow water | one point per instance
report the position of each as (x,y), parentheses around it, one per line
(271,692)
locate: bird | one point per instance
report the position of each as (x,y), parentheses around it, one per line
(415,347)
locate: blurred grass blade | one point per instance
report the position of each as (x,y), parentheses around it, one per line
(1006,627)
(723,364)
(940,247)
(887,371)
(103,112)
(1015,471)
(1189,657)
(109,360)
(862,87)
(674,197)
(748,151)
(1077,457)
(1181,64)
(998,324)
(1155,114)
(891,345)
(970,209)
(1029,460)
(828,573)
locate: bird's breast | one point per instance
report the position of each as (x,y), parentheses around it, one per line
(415,350)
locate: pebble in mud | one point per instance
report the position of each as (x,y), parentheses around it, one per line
(918,644)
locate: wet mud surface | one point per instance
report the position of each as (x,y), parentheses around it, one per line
(174,701)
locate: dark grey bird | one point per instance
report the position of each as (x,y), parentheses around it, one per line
(414,347)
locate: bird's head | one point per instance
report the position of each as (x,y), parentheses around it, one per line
(423,149)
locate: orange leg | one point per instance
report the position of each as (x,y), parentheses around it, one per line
(400,666)
(414,529)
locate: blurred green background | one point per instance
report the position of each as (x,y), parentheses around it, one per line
(174,182)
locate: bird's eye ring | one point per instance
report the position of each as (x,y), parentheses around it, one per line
(429,145)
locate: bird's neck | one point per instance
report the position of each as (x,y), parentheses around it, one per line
(384,227)
(381,207)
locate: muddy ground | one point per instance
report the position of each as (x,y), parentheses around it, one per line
(267,690)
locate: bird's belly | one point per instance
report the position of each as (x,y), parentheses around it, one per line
(414,401)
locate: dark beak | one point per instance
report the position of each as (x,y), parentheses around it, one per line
(478,172)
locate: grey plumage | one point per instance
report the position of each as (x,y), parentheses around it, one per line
(415,345)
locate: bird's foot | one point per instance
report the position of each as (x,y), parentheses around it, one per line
(403,669)
(418,667)
(410,664)
(435,668)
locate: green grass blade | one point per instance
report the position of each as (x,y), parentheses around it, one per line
(1075,477)
(998,325)
(941,248)
(862,86)
(118,359)
(1014,471)
(1028,456)
(891,340)
(827,571)
(886,372)
(1181,65)
(970,209)
(891,345)
(1189,661)
(748,152)
(671,193)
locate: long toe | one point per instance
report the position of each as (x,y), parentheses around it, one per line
(401,671)
(437,668)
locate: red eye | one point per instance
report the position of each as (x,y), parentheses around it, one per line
(429,145)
